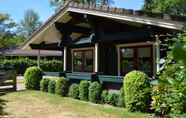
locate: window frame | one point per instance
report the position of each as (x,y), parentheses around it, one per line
(83,50)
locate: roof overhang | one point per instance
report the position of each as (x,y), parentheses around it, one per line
(63,16)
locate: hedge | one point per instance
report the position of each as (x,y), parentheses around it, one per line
(83,90)
(51,86)
(62,86)
(95,92)
(137,91)
(74,91)
(44,84)
(33,76)
(21,64)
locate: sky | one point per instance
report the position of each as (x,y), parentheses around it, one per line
(16,8)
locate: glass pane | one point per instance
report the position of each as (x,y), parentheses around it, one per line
(127,52)
(144,63)
(144,52)
(77,61)
(127,60)
(88,61)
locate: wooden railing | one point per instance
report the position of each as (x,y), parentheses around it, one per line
(7,81)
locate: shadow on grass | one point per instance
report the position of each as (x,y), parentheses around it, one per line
(2,105)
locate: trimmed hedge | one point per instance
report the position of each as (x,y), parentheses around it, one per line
(74,91)
(112,98)
(51,86)
(44,84)
(21,64)
(121,99)
(94,92)
(33,76)
(104,95)
(61,87)
(137,91)
(83,90)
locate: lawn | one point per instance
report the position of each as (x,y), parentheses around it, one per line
(35,104)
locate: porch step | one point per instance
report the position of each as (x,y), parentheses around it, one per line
(79,76)
(113,79)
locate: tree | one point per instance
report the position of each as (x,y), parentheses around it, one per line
(58,3)
(175,7)
(8,36)
(29,23)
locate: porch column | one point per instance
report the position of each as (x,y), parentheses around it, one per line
(65,59)
(38,59)
(157,45)
(96,57)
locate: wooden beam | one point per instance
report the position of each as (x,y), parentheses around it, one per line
(63,28)
(43,46)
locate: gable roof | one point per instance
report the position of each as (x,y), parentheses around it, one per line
(142,17)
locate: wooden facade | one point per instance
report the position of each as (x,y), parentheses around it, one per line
(100,43)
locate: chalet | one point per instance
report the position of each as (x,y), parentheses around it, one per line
(104,43)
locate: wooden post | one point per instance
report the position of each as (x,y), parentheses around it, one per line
(157,54)
(38,59)
(96,57)
(65,59)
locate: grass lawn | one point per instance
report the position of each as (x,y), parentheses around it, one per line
(35,104)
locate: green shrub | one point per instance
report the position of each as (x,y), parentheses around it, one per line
(51,86)
(113,97)
(20,64)
(137,91)
(74,91)
(33,76)
(61,87)
(104,95)
(83,90)
(121,99)
(44,84)
(94,92)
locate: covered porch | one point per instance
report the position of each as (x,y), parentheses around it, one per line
(100,48)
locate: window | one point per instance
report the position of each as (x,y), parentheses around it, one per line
(83,61)
(136,58)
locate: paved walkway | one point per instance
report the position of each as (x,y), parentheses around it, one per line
(20,83)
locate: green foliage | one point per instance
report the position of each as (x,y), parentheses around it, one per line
(95,92)
(83,90)
(44,84)
(104,95)
(58,3)
(176,7)
(112,98)
(33,76)
(121,99)
(21,64)
(29,23)
(51,86)
(61,87)
(8,36)
(137,91)
(170,91)
(74,91)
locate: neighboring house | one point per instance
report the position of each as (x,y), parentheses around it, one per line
(105,43)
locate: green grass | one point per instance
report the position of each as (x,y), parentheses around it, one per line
(37,104)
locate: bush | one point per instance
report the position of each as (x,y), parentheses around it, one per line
(137,91)
(22,63)
(112,98)
(121,99)
(104,95)
(51,86)
(94,92)
(74,91)
(61,87)
(33,76)
(83,90)
(44,84)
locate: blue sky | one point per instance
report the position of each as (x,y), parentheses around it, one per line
(16,8)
